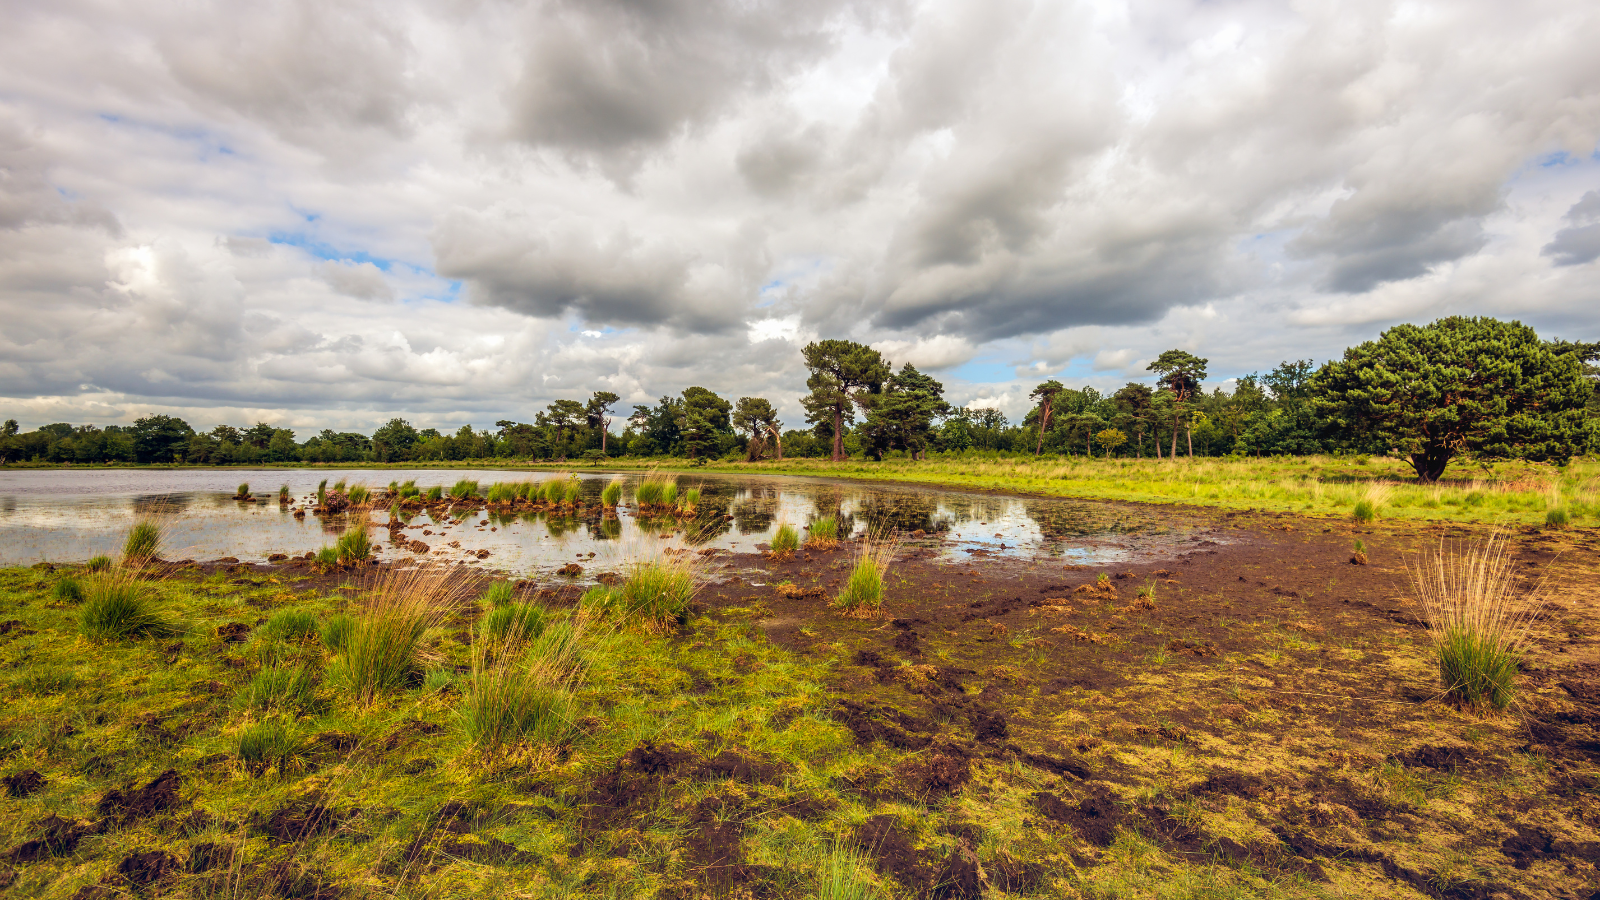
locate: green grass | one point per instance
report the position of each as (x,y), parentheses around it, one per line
(281,689)
(354,546)
(436,493)
(786,539)
(515,622)
(97,563)
(1478,616)
(648,493)
(67,590)
(283,493)
(656,594)
(498,594)
(270,745)
(611,495)
(691,500)
(335,633)
(244,490)
(863,591)
(142,544)
(1557,518)
(326,558)
(464,489)
(117,606)
(824,533)
(291,625)
(1364,511)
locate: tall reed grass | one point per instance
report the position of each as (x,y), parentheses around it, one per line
(1478,617)
(354,546)
(657,593)
(824,534)
(524,672)
(143,544)
(611,495)
(118,605)
(465,489)
(863,593)
(381,652)
(785,541)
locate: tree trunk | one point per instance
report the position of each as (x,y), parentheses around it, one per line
(605,428)
(1188,435)
(777,441)
(1430,463)
(1044,422)
(838,434)
(752,451)
(1174,453)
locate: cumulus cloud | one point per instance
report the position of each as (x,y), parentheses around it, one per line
(345,211)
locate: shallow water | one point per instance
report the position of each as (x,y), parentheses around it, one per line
(72,515)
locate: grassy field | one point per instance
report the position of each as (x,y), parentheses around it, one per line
(1510,493)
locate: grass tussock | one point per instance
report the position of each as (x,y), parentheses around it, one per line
(143,544)
(381,652)
(499,594)
(863,593)
(354,546)
(117,606)
(656,595)
(611,494)
(287,689)
(1478,617)
(97,563)
(67,590)
(785,541)
(824,534)
(270,745)
(291,625)
(525,671)
(465,489)
(244,490)
(335,633)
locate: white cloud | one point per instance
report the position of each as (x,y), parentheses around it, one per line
(200,206)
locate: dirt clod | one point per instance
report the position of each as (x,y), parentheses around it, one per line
(144,869)
(23,783)
(160,795)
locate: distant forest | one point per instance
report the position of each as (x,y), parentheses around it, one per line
(1475,386)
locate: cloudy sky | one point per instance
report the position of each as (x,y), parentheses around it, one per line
(333,212)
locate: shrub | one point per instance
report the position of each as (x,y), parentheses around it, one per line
(380,652)
(1557,518)
(611,495)
(354,546)
(656,594)
(291,690)
(335,632)
(465,489)
(143,543)
(269,745)
(1477,618)
(515,623)
(824,533)
(499,594)
(291,625)
(117,606)
(98,563)
(862,596)
(67,590)
(785,540)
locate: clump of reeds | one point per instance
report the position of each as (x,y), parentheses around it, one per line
(359,495)
(339,485)
(785,541)
(1358,555)
(524,670)
(690,502)
(1372,501)
(67,590)
(657,593)
(381,651)
(1146,597)
(669,493)
(118,605)
(98,563)
(500,492)
(436,492)
(326,558)
(269,745)
(354,546)
(409,489)
(862,596)
(824,534)
(648,493)
(572,491)
(322,492)
(465,489)
(1478,618)
(499,594)
(1557,518)
(843,875)
(143,544)
(243,491)
(283,493)
(611,494)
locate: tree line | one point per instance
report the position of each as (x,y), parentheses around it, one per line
(1460,385)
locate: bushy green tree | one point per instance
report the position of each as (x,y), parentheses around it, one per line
(160,439)
(1180,374)
(703,421)
(841,372)
(1460,385)
(900,417)
(755,417)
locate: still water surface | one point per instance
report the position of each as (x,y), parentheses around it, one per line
(72,515)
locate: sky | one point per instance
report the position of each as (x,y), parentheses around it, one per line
(326,214)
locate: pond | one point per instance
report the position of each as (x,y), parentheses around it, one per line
(70,515)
